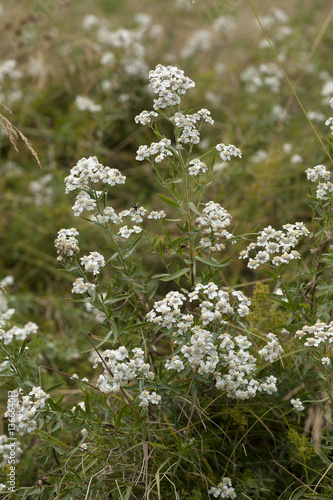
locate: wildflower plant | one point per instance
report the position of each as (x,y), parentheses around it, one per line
(171,336)
(176,343)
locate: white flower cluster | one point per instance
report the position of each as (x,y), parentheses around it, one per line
(83,174)
(157,215)
(200,41)
(317,334)
(169,311)
(83,202)
(240,363)
(8,68)
(93,262)
(266,74)
(200,351)
(203,40)
(16,332)
(197,167)
(216,302)
(81,286)
(190,125)
(226,152)
(160,149)
(272,350)
(10,332)
(170,84)
(6,448)
(66,244)
(197,343)
(271,242)
(297,404)
(275,16)
(127,44)
(84,103)
(135,214)
(118,372)
(316,174)
(89,170)
(214,220)
(223,490)
(147,397)
(109,215)
(42,193)
(26,409)
(145,117)
(126,232)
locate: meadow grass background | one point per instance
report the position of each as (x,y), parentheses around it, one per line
(57,59)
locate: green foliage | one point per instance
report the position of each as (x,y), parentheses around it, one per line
(301,448)
(264,314)
(92,442)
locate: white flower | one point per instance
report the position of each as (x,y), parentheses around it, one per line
(145,117)
(197,167)
(270,242)
(66,244)
(272,350)
(226,152)
(126,232)
(85,104)
(295,159)
(26,409)
(93,262)
(157,215)
(170,84)
(156,148)
(223,490)
(297,404)
(83,202)
(89,170)
(80,286)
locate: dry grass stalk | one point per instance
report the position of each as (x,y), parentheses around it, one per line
(316,420)
(14,134)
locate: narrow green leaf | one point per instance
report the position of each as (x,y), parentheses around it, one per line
(194,208)
(177,274)
(128,492)
(160,275)
(172,204)
(87,404)
(160,249)
(133,246)
(117,298)
(53,387)
(212,262)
